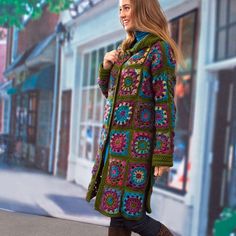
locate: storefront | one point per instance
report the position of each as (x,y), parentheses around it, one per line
(174,191)
(32,77)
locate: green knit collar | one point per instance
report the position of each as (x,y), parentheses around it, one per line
(147,41)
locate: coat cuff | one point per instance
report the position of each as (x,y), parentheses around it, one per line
(104,74)
(162,160)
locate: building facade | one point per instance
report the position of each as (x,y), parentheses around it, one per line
(191,196)
(31,69)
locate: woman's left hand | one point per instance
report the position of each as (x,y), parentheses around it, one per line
(159,170)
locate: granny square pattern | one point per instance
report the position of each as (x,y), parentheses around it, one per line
(129,81)
(160,87)
(138,175)
(144,115)
(119,142)
(161,115)
(146,86)
(164,142)
(132,204)
(140,145)
(110,202)
(116,171)
(123,113)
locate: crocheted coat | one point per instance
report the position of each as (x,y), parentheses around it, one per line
(139,120)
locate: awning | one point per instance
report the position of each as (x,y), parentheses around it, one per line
(43,54)
(18,63)
(41,80)
(13,91)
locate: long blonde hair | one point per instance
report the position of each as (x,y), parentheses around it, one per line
(149,17)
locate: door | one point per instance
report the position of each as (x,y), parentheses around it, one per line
(223,179)
(64,140)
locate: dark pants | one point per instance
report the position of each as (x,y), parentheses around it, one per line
(146,226)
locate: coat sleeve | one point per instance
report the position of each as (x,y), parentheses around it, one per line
(103,79)
(163,80)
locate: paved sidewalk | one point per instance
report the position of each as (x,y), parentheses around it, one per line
(33,191)
(54,205)
(19,224)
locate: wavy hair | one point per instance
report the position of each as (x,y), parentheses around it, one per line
(149,17)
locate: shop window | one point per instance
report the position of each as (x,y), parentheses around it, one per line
(183,31)
(24,115)
(225,30)
(32,117)
(92,103)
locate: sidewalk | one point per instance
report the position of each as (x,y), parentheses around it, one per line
(19,224)
(35,192)
(45,197)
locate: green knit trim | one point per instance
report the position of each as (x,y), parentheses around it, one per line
(162,160)
(104,74)
(146,41)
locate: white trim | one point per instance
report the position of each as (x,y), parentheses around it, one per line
(175,11)
(222,65)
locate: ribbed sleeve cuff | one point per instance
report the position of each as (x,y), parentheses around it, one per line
(162,160)
(104,73)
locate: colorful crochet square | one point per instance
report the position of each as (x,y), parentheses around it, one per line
(110,201)
(103,136)
(116,171)
(156,58)
(137,58)
(173,114)
(119,142)
(107,112)
(162,115)
(111,82)
(144,116)
(159,84)
(132,204)
(164,142)
(115,71)
(96,163)
(170,57)
(138,176)
(122,113)
(129,81)
(141,145)
(146,86)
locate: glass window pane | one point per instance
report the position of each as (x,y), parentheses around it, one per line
(232,41)
(174,30)
(186,27)
(110,47)
(84,106)
(88,142)
(118,43)
(93,68)
(98,105)
(101,54)
(183,101)
(221,52)
(86,69)
(95,141)
(222,12)
(232,11)
(82,140)
(90,106)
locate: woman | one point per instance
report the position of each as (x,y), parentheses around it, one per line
(137,137)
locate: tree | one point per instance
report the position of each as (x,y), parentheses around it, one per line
(13,12)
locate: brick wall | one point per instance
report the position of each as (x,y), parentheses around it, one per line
(37,30)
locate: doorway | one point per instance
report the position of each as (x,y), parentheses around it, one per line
(64,139)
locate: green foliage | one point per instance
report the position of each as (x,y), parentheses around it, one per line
(12,12)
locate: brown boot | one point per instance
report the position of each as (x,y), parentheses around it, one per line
(164,231)
(115,231)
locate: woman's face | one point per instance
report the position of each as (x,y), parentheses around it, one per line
(126,20)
